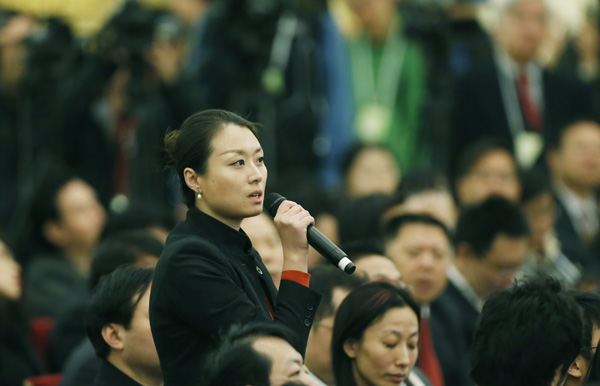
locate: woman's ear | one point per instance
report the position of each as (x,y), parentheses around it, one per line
(575,368)
(351,347)
(53,232)
(192,179)
(112,335)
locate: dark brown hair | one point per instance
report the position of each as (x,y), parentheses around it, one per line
(191,145)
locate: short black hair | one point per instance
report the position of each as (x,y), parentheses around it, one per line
(355,150)
(358,249)
(478,225)
(361,308)
(559,129)
(590,307)
(122,249)
(360,218)
(112,302)
(535,182)
(236,341)
(475,151)
(525,333)
(392,227)
(323,280)
(137,216)
(422,180)
(238,364)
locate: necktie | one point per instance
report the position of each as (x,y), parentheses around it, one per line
(428,361)
(530,110)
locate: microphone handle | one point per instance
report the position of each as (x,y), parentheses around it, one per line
(329,250)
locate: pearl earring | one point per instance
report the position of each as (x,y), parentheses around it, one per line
(199,194)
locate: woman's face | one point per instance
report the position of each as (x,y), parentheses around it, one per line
(233,186)
(373,171)
(388,350)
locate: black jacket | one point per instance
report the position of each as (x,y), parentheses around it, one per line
(109,375)
(208,278)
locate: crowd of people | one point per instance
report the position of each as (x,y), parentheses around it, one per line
(450,156)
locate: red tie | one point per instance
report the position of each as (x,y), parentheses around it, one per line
(528,106)
(428,361)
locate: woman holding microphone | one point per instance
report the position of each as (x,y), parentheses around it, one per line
(209,276)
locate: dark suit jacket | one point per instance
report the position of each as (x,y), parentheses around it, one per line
(109,375)
(480,112)
(208,278)
(453,321)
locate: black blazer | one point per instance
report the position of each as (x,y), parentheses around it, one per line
(479,110)
(208,278)
(453,321)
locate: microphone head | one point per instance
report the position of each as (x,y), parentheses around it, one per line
(272,202)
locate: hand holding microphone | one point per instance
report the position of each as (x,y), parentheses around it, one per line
(315,238)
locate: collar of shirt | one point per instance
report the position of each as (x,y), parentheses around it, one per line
(463,286)
(218,232)
(574,205)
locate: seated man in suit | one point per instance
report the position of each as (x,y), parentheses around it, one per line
(514,98)
(491,241)
(118,324)
(574,160)
(528,335)
(420,247)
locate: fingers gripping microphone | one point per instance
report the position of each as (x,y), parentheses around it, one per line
(315,238)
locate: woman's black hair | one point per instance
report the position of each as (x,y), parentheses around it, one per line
(190,146)
(361,308)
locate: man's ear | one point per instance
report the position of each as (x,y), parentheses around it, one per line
(575,368)
(112,334)
(462,252)
(351,347)
(54,233)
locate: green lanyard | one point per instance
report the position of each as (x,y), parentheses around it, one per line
(376,94)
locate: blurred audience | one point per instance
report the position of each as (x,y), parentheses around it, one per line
(372,263)
(265,239)
(68,219)
(512,324)
(491,241)
(368,170)
(514,98)
(546,256)
(485,168)
(376,338)
(333,286)
(428,192)
(18,360)
(118,325)
(574,161)
(420,246)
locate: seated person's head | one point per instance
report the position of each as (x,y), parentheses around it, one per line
(527,335)
(486,168)
(581,368)
(264,237)
(333,285)
(520,28)
(360,219)
(491,242)
(141,216)
(428,192)
(375,336)
(272,352)
(537,202)
(420,246)
(67,213)
(140,248)
(371,262)
(118,323)
(370,169)
(574,154)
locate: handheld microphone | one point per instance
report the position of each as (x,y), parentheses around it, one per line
(315,238)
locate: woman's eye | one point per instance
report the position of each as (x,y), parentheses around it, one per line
(390,345)
(239,162)
(261,160)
